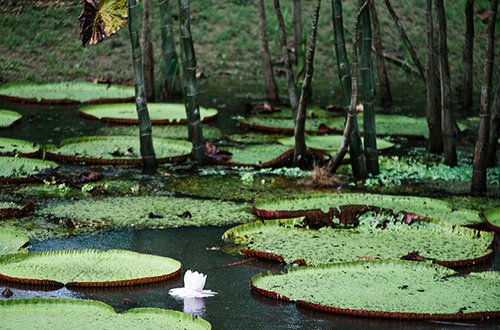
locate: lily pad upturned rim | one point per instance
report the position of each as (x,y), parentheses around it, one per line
(103,309)
(29,178)
(18,99)
(86,112)
(16,117)
(372,313)
(18,257)
(492,218)
(21,239)
(283,130)
(113,161)
(274,256)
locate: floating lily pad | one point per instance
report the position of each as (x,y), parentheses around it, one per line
(389,289)
(179,132)
(15,169)
(151,211)
(9,118)
(66,93)
(13,210)
(382,236)
(492,217)
(118,150)
(80,314)
(159,113)
(311,113)
(255,138)
(278,125)
(92,268)
(388,125)
(263,155)
(329,142)
(11,241)
(21,148)
(296,206)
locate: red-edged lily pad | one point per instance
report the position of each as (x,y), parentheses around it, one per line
(118,150)
(19,170)
(279,125)
(388,289)
(88,268)
(159,113)
(19,148)
(66,93)
(11,241)
(9,118)
(492,217)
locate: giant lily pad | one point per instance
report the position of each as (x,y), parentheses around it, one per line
(179,132)
(388,125)
(390,289)
(329,142)
(159,113)
(263,155)
(378,235)
(297,206)
(279,125)
(11,241)
(80,314)
(13,210)
(152,211)
(9,118)
(21,148)
(66,92)
(15,169)
(492,217)
(92,268)
(118,150)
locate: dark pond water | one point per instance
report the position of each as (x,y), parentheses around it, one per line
(235,306)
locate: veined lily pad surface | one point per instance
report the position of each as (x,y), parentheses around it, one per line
(258,155)
(492,217)
(48,314)
(159,113)
(279,125)
(391,289)
(179,132)
(66,92)
(12,147)
(8,118)
(15,168)
(118,150)
(152,211)
(329,142)
(389,125)
(11,241)
(296,206)
(377,236)
(93,268)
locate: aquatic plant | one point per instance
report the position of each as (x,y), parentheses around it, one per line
(11,241)
(9,118)
(389,289)
(194,283)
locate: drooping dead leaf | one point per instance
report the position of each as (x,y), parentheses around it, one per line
(99,22)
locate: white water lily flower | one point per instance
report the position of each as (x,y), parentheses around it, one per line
(193,286)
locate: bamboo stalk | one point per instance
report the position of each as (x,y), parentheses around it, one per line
(170,86)
(494,126)
(370,135)
(188,60)
(351,123)
(145,129)
(147,52)
(467,59)
(478,184)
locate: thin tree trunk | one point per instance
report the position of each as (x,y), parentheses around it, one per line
(188,60)
(299,156)
(335,162)
(478,184)
(494,126)
(447,123)
(170,86)
(297,27)
(407,42)
(370,135)
(467,77)
(433,88)
(383,79)
(294,104)
(145,130)
(267,67)
(147,52)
